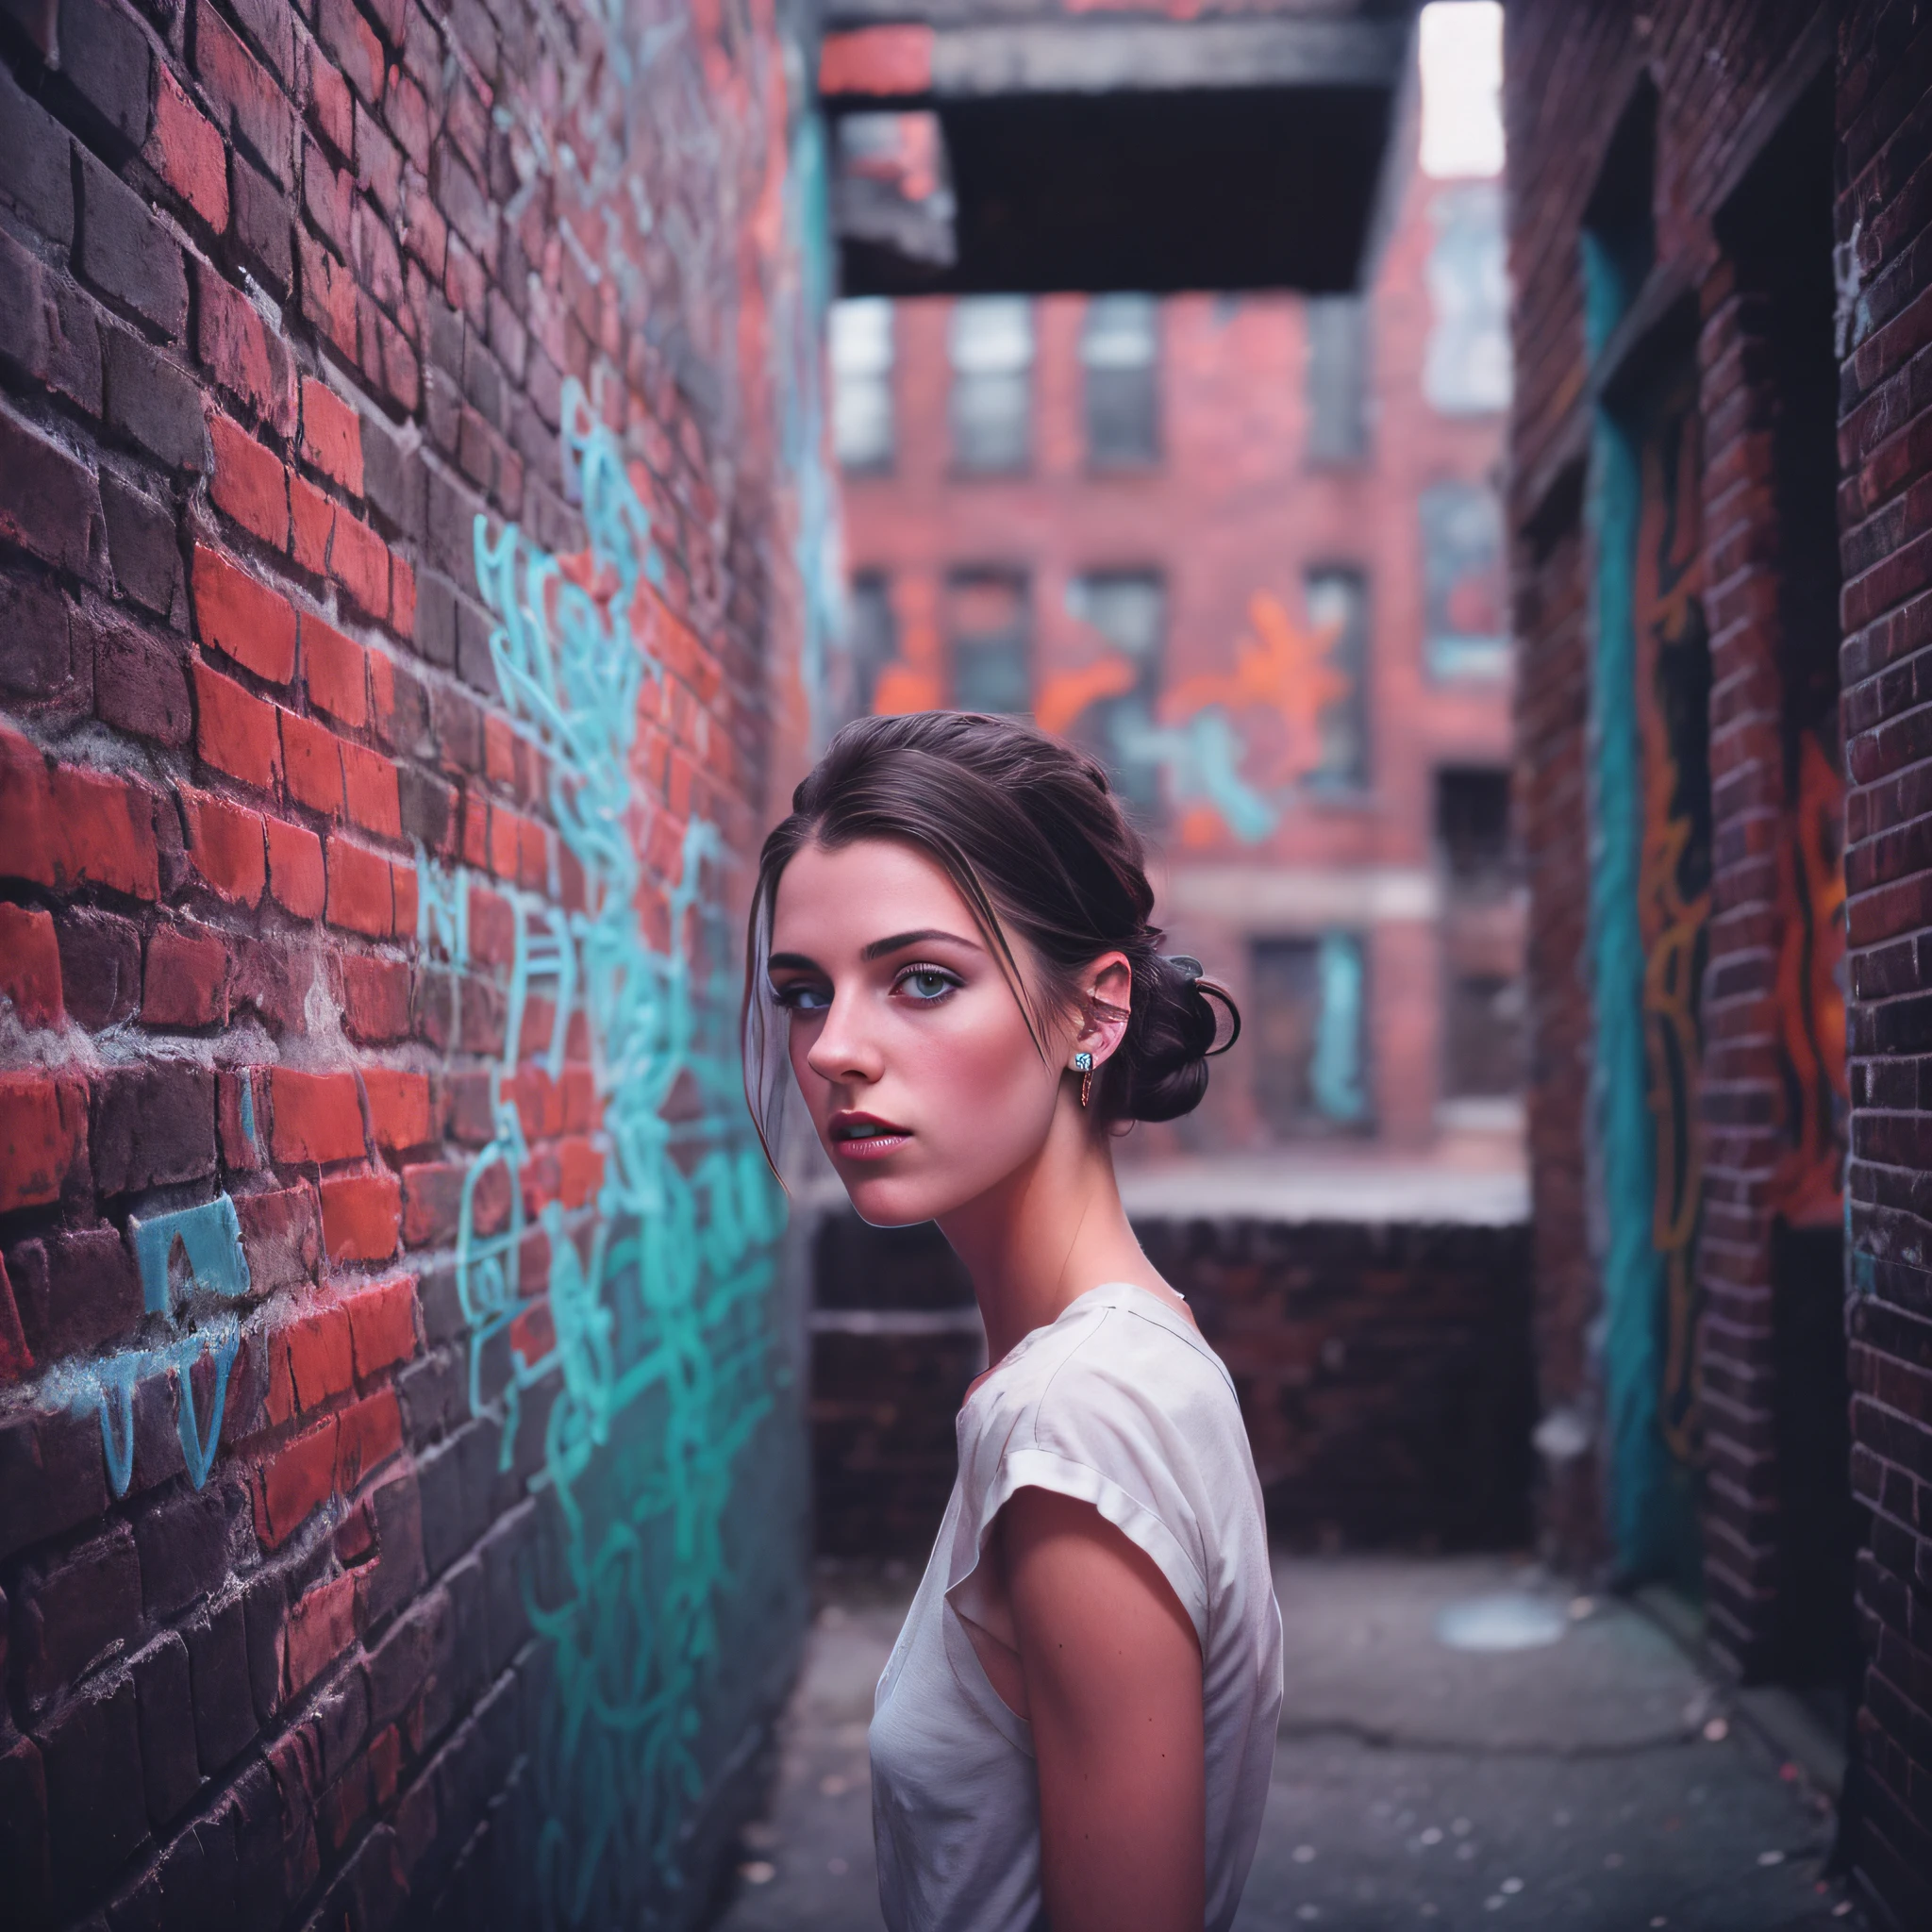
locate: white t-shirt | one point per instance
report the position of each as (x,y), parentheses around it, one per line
(1122,1404)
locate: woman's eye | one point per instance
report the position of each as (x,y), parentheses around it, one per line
(926,982)
(802,997)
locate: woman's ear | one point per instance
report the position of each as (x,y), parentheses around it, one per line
(1107,988)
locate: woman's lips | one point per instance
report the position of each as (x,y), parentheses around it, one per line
(861,1137)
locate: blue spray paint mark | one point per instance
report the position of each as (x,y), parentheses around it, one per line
(1335,1067)
(1203,758)
(210,1235)
(660,1330)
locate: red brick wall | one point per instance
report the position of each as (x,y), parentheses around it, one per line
(1234,507)
(1723,77)
(1884,97)
(291,297)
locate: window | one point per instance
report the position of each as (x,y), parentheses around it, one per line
(862,384)
(1466,366)
(991,343)
(1307,1010)
(1337,378)
(873,633)
(1338,603)
(1462,581)
(1129,611)
(988,629)
(1120,351)
(1482,1036)
(1472,831)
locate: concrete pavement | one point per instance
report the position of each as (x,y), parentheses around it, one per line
(1592,1782)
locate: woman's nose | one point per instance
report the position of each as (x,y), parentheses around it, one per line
(843,1050)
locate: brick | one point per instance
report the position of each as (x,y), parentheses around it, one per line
(352,44)
(242,618)
(239,1127)
(106,60)
(125,254)
(281,1235)
(331,436)
(100,832)
(294,869)
(369,785)
(170,1771)
(322,1625)
(311,1364)
(52,1477)
(294,1481)
(312,525)
(247,482)
(358,560)
(100,966)
(878,60)
(142,545)
(141,681)
(50,503)
(36,166)
(242,89)
(426,805)
(96,1808)
(30,965)
(75,1292)
(43,1137)
(312,760)
(71,1611)
(152,1124)
(432,1198)
(237,732)
(49,328)
(382,1323)
(151,401)
(362,1216)
(224,1722)
(398,1574)
(264,227)
(185,149)
(235,345)
(361,893)
(335,671)
(317,1117)
(398,1108)
(331,106)
(186,983)
(224,845)
(41,659)
(370,1433)
(328,293)
(375,998)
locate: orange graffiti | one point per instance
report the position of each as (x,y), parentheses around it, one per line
(1066,694)
(1282,669)
(1806,1187)
(915,680)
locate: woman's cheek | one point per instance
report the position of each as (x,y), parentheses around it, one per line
(978,1091)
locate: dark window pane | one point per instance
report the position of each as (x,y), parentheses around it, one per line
(1338,378)
(1119,357)
(873,636)
(992,648)
(1306,1004)
(991,345)
(1338,603)
(1128,610)
(1464,634)
(1472,831)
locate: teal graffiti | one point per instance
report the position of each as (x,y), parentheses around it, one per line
(209,1239)
(1202,759)
(658,1324)
(1335,1067)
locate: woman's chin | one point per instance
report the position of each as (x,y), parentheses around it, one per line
(888,1200)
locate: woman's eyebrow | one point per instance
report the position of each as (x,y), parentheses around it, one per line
(900,941)
(791,962)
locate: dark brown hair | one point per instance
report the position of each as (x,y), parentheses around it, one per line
(1029,832)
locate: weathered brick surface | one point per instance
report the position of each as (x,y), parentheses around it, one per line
(290,297)
(1729,79)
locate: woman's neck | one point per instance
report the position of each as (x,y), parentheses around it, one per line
(1046,1234)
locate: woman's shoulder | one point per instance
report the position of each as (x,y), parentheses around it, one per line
(1119,1357)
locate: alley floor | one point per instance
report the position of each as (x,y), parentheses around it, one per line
(1592,1781)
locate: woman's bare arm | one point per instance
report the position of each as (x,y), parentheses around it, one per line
(1113,1671)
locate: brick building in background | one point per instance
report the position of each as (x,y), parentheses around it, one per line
(1718,544)
(1249,550)
(360,872)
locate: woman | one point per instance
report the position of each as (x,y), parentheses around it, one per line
(950,936)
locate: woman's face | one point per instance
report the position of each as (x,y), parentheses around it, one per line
(907,1040)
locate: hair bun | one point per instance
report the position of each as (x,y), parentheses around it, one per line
(1171,1036)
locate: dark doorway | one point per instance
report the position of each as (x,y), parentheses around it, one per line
(1778,229)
